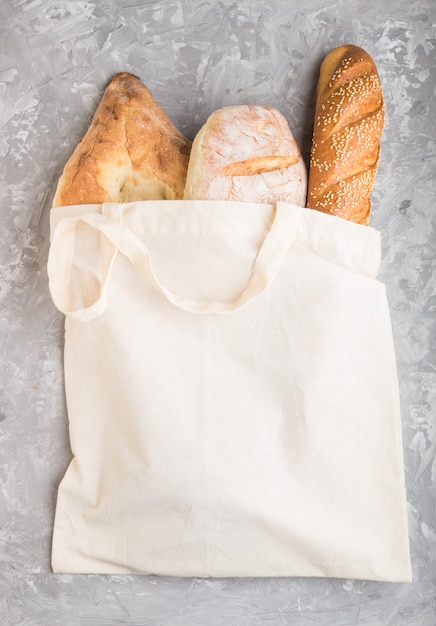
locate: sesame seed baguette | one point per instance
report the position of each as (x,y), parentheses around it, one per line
(349,119)
(131,151)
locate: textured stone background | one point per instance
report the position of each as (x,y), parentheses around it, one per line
(196,56)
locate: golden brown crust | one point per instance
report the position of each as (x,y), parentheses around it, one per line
(246,153)
(131,151)
(349,119)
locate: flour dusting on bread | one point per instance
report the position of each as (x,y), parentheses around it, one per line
(246,153)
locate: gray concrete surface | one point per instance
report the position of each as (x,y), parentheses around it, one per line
(196,56)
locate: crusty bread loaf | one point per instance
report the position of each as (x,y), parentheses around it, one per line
(247,154)
(131,151)
(349,119)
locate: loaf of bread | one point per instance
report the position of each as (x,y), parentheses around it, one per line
(349,119)
(247,154)
(131,151)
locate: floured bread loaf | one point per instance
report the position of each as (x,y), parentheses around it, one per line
(248,154)
(131,151)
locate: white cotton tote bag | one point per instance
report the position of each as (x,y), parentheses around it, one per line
(231,392)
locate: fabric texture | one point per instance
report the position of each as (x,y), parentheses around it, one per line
(231,391)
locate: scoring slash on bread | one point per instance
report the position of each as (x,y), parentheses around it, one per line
(349,119)
(131,151)
(246,153)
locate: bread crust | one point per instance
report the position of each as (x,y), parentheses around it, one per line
(349,120)
(131,151)
(246,153)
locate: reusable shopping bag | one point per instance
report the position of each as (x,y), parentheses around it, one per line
(231,392)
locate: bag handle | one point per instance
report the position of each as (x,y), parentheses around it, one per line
(266,264)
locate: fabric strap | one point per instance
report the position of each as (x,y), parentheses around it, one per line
(266,264)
